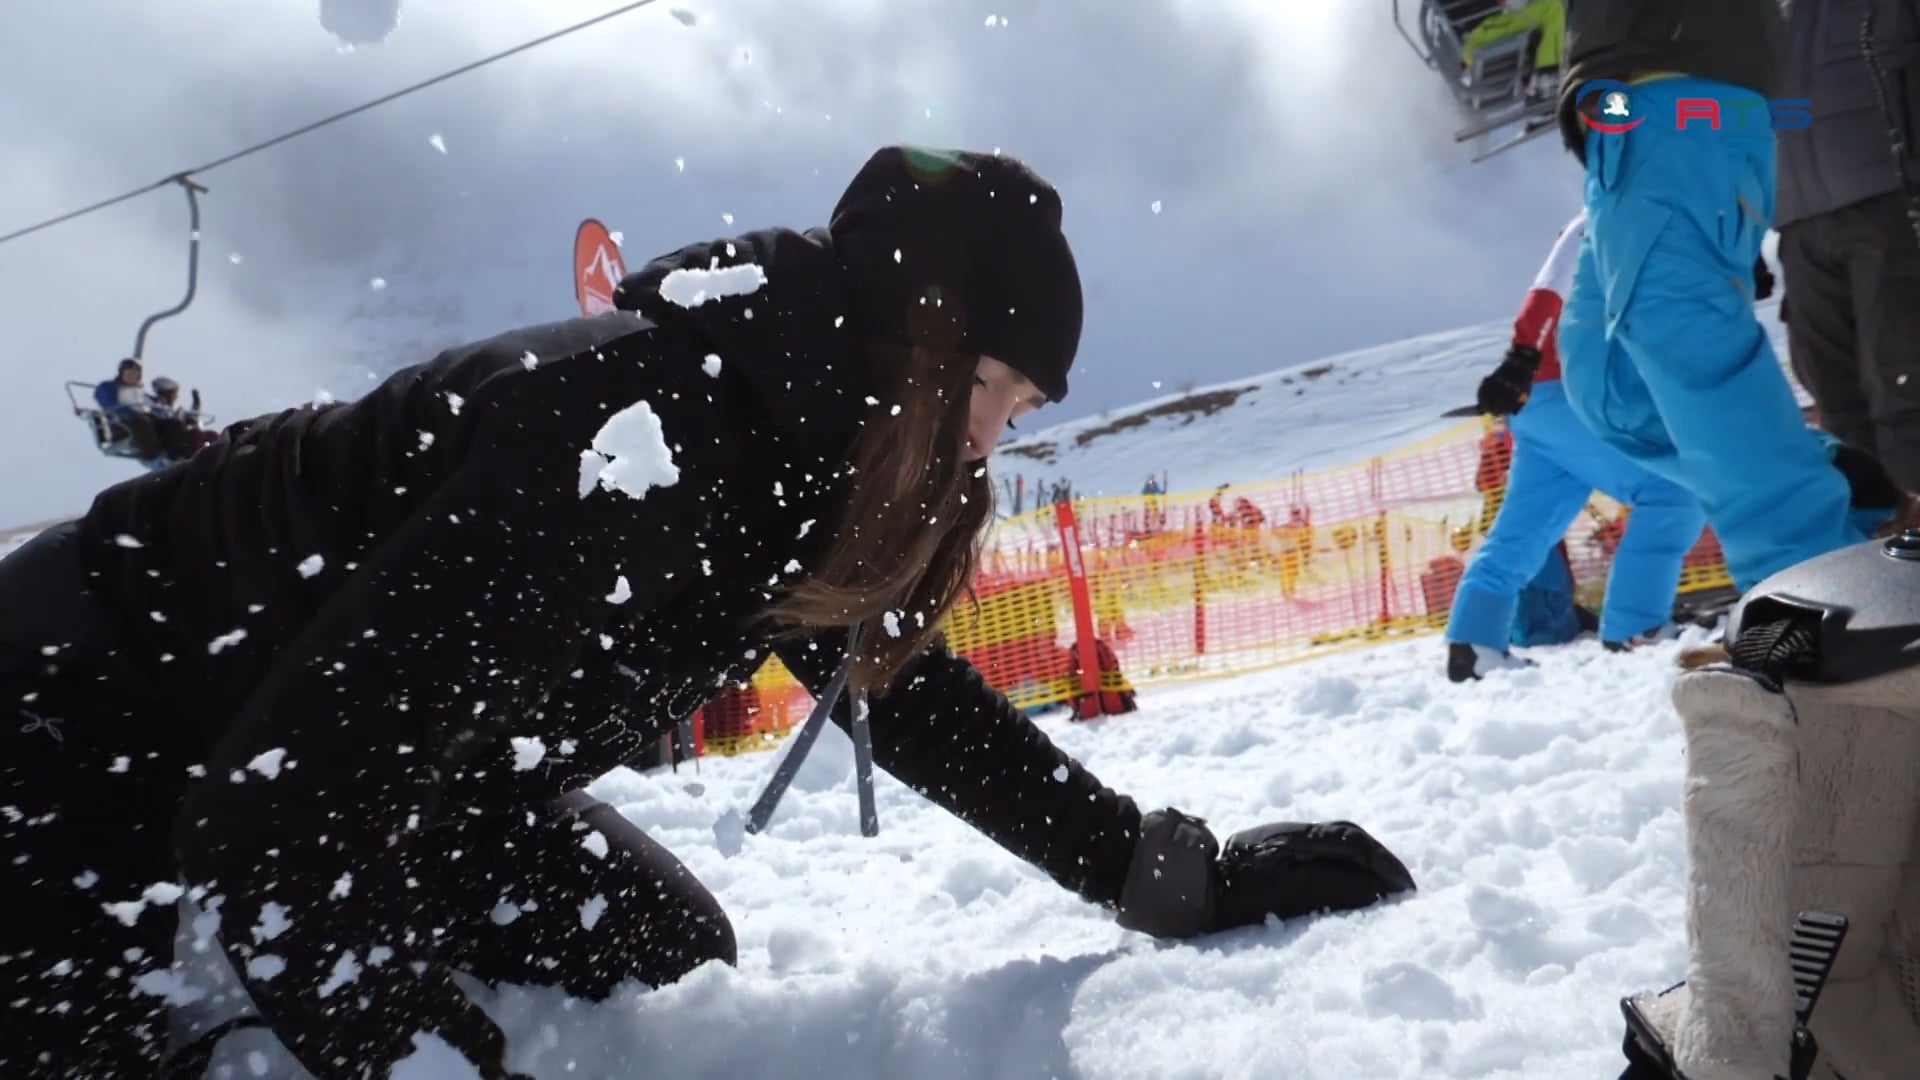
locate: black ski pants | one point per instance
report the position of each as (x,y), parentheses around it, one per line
(1852,307)
(92,774)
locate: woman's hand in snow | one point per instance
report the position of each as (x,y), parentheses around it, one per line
(1182,883)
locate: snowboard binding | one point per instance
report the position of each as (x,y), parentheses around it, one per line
(1812,949)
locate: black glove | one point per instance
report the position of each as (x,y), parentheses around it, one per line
(1507,389)
(1762,278)
(1181,884)
(1872,487)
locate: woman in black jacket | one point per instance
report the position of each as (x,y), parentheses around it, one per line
(341,677)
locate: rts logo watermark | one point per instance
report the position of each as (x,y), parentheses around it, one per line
(1616,114)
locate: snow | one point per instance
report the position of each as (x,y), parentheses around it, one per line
(691,288)
(1537,810)
(528,752)
(268,762)
(629,455)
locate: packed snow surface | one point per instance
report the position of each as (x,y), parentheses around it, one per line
(1538,810)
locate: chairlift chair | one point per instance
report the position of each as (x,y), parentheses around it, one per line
(1493,75)
(109,436)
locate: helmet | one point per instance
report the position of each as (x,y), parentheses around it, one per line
(1856,610)
(164,385)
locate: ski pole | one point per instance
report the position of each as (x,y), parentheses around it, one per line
(789,767)
(862,733)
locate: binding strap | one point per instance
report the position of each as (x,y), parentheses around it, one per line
(1771,648)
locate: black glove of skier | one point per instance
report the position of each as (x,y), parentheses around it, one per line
(1762,278)
(1181,883)
(1507,389)
(1872,487)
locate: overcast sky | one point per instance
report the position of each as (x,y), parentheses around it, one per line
(1311,197)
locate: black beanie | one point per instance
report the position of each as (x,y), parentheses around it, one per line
(961,252)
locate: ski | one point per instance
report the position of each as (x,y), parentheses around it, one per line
(1533,130)
(1528,114)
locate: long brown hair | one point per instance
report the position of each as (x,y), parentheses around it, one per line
(916,515)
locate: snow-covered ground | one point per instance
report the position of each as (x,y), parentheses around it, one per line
(1538,811)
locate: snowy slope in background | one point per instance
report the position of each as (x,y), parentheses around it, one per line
(1329,412)
(1538,811)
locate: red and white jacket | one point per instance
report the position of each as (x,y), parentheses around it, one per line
(1539,321)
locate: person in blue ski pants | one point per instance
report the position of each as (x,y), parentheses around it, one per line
(1665,359)
(1556,467)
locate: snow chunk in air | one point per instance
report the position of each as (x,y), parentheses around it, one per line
(691,288)
(629,455)
(527,752)
(267,762)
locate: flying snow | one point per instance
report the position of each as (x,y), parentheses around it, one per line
(622,592)
(226,641)
(691,288)
(591,911)
(311,565)
(629,455)
(434,140)
(711,365)
(527,752)
(267,763)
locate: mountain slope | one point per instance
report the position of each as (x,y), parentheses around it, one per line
(1332,411)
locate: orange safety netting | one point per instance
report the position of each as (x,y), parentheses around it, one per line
(1209,583)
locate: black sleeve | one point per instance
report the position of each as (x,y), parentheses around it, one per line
(317,825)
(945,733)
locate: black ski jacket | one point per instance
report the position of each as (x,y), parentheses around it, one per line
(367,613)
(1742,42)
(1847,154)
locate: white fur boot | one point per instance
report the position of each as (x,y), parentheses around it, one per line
(1734,1019)
(1855,855)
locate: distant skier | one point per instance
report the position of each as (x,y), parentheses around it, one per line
(1557,465)
(158,437)
(1665,359)
(343,674)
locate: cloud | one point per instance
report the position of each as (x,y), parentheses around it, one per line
(1312,198)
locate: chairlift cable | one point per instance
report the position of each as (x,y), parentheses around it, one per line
(323,122)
